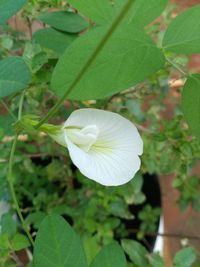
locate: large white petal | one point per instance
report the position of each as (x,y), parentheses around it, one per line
(111,125)
(113,159)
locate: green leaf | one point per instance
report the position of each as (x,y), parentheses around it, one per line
(4,242)
(183,34)
(156,260)
(191,103)
(6,42)
(8,225)
(6,123)
(19,242)
(145,12)
(136,252)
(128,57)
(142,12)
(53,39)
(57,245)
(137,183)
(91,247)
(98,11)
(8,8)
(14,76)
(185,257)
(110,255)
(65,21)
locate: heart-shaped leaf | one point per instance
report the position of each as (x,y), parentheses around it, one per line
(57,245)
(128,57)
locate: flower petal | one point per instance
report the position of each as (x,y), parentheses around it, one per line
(113,159)
(111,125)
(85,137)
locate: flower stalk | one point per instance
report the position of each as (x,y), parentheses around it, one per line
(10,177)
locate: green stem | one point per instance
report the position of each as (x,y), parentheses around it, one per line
(12,190)
(21,106)
(94,55)
(176,67)
(10,177)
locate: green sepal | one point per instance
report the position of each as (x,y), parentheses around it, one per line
(28,122)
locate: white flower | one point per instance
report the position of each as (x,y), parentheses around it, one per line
(103,145)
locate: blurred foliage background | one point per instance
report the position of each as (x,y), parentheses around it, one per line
(45,179)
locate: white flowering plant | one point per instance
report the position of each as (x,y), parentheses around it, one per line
(86,88)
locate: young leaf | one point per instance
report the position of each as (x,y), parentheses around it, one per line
(136,252)
(142,12)
(65,21)
(8,8)
(127,58)
(110,255)
(53,39)
(35,218)
(4,242)
(191,103)
(19,242)
(185,257)
(183,34)
(57,245)
(14,76)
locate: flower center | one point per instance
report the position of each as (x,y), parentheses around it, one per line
(84,138)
